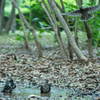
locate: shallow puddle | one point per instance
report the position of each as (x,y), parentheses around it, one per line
(24,92)
(56,93)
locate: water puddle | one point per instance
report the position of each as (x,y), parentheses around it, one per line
(56,93)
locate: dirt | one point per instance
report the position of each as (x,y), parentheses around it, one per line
(27,68)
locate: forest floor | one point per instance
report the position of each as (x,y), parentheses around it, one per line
(27,68)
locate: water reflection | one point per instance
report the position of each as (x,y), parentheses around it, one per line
(45,94)
(55,94)
(24,92)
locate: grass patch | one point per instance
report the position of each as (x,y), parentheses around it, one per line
(45,39)
(5,39)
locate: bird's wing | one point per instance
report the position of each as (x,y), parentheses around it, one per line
(13,86)
(49,87)
(41,89)
(92,8)
(73,13)
(6,88)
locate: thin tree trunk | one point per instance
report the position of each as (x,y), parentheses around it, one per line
(70,51)
(69,35)
(59,42)
(75,31)
(10,20)
(63,10)
(99,2)
(2,4)
(79,3)
(66,53)
(55,27)
(25,36)
(30,28)
(13,26)
(89,36)
(69,46)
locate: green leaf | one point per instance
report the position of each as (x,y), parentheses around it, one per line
(65,3)
(41,24)
(39,36)
(41,31)
(73,6)
(35,19)
(27,6)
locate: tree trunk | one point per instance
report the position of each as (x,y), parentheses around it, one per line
(66,53)
(59,42)
(13,26)
(55,28)
(99,2)
(10,20)
(69,46)
(70,51)
(69,35)
(79,3)
(89,36)
(29,27)
(25,36)
(63,10)
(75,31)
(2,4)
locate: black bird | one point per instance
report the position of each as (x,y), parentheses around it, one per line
(46,87)
(9,86)
(84,12)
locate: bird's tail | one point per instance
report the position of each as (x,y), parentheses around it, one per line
(87,17)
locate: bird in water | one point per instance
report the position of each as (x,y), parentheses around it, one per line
(84,12)
(9,86)
(46,87)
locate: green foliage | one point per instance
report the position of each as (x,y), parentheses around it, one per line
(16,77)
(19,23)
(37,18)
(20,37)
(42,28)
(95,29)
(8,7)
(70,6)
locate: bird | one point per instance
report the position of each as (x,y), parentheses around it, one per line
(9,86)
(46,87)
(84,12)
